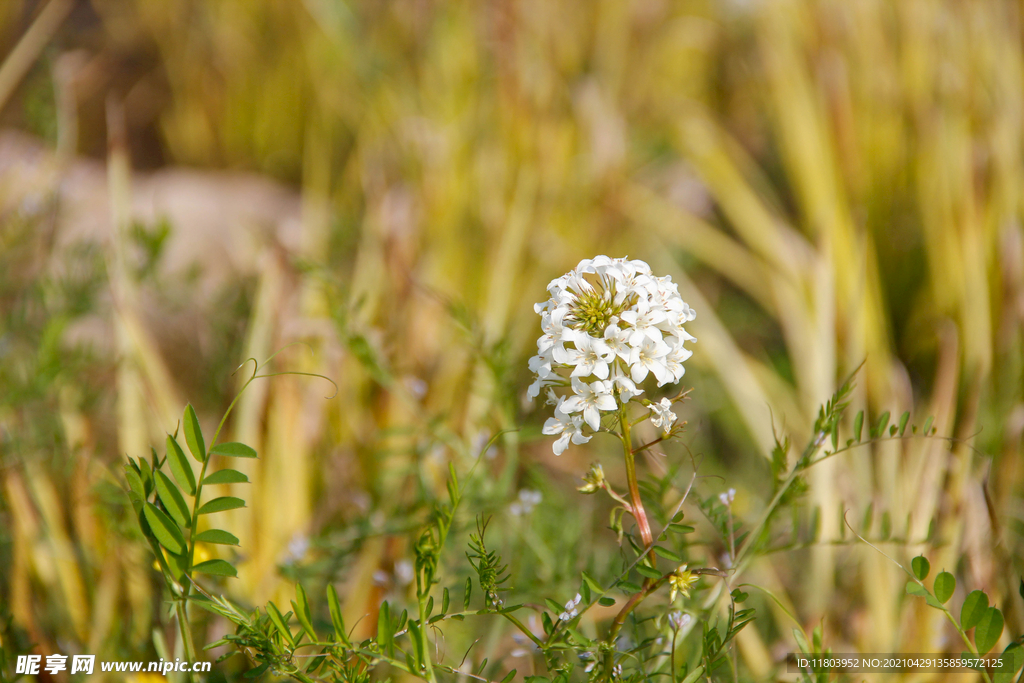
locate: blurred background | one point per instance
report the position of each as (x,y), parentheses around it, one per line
(186,184)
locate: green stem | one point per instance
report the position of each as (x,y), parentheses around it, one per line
(186,634)
(424,643)
(634,489)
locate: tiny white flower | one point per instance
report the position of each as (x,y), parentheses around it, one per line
(679,620)
(728,497)
(662,415)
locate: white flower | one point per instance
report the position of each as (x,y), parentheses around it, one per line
(673,361)
(649,357)
(662,415)
(606,326)
(679,620)
(644,322)
(570,427)
(591,356)
(625,385)
(591,399)
(617,340)
(728,497)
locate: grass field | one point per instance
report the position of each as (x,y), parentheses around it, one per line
(833,185)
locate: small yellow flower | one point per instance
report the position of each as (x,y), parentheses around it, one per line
(593,480)
(681,581)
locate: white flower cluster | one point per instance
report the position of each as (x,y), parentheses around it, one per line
(607,325)
(570,612)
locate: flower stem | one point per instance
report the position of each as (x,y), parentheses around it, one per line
(634,489)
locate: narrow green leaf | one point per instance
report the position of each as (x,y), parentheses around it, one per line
(171,497)
(429,608)
(649,572)
(178,564)
(301,605)
(606,602)
(417,643)
(469,592)
(135,484)
(858,425)
(340,633)
(585,592)
(221,504)
(216,568)
(509,676)
(835,438)
(258,671)
(164,529)
(669,555)
(594,585)
(218,536)
(233,449)
(226,477)
(194,434)
(988,630)
(973,609)
(928,425)
(452,475)
(146,472)
(554,606)
(279,622)
(914,588)
(694,675)
(945,584)
(904,418)
(883,422)
(801,641)
(681,528)
(180,468)
(384,634)
(920,566)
